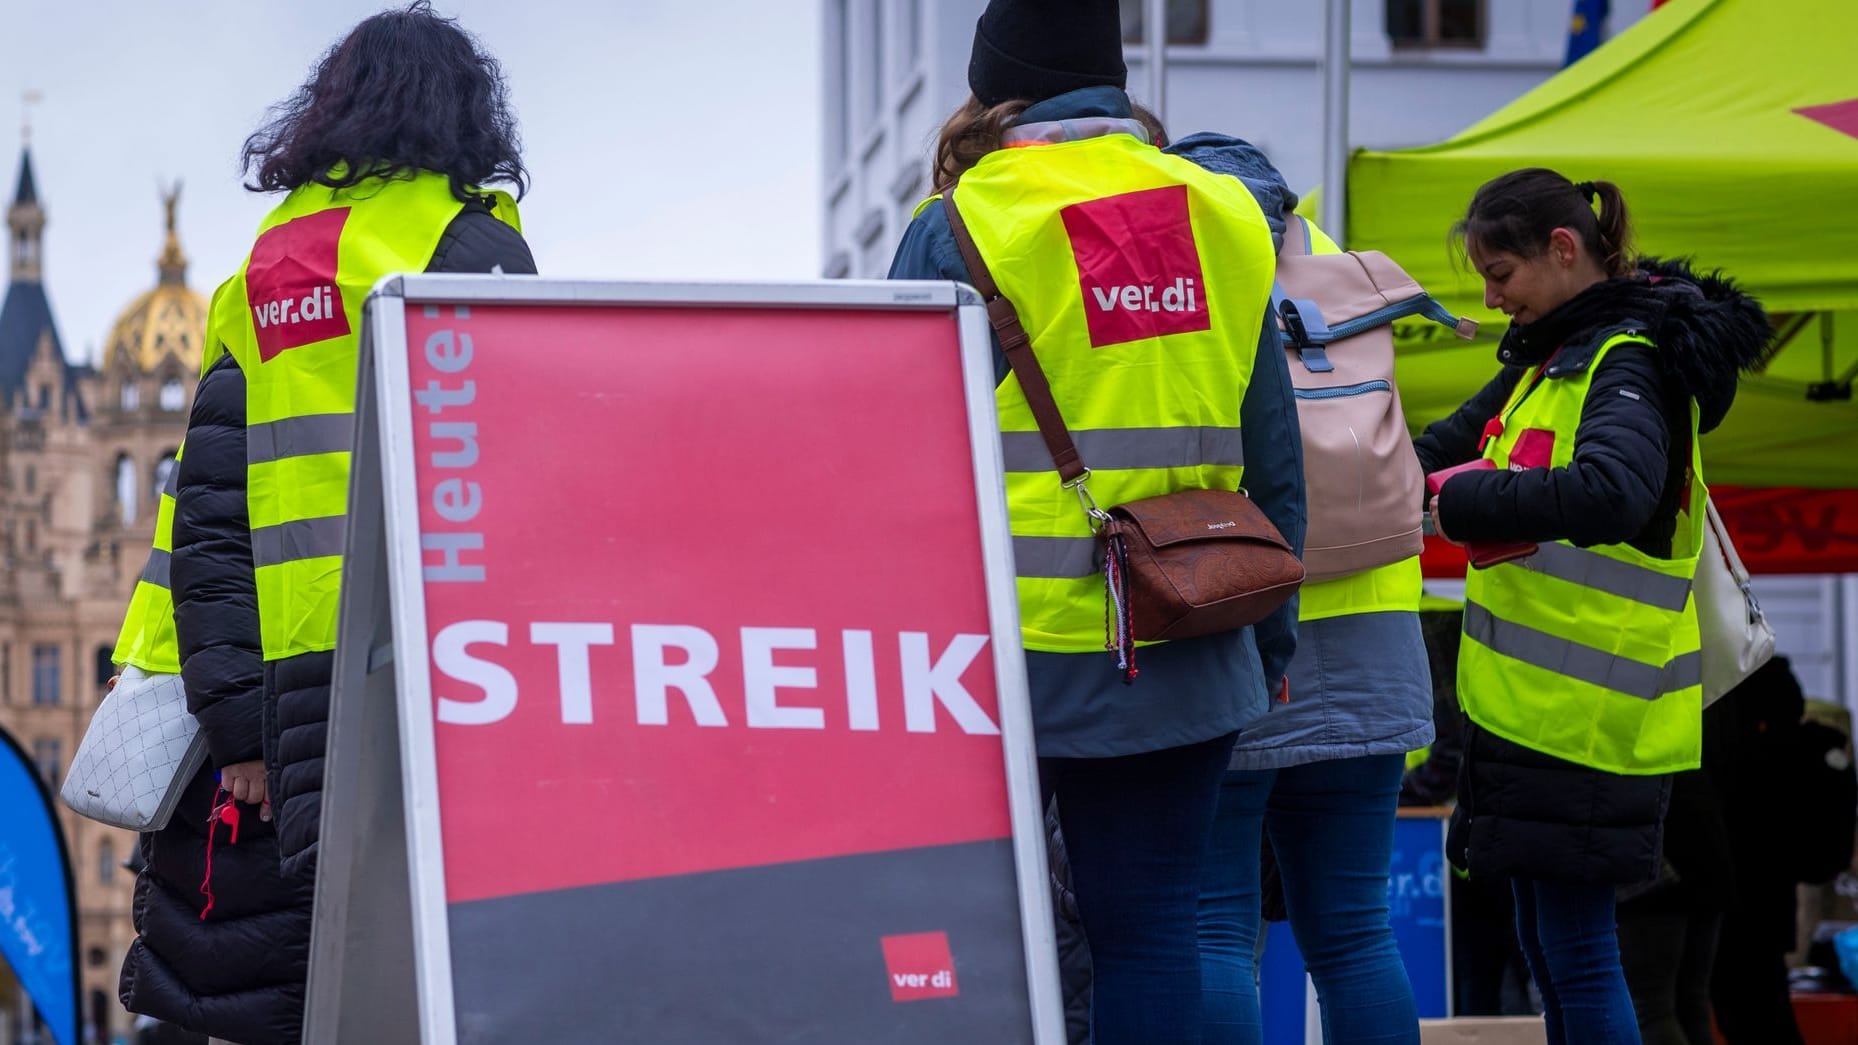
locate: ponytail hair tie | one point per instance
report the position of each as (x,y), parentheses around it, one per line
(1585,188)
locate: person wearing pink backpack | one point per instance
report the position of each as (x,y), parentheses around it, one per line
(1320,772)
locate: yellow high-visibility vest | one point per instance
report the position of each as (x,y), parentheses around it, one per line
(147,638)
(1143,281)
(1587,654)
(292,319)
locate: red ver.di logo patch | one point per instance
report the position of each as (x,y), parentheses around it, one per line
(1138,266)
(920,966)
(291,286)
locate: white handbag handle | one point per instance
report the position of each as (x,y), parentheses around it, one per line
(1733,560)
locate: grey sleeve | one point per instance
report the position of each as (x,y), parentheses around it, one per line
(1274,478)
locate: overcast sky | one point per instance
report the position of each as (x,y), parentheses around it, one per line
(666,139)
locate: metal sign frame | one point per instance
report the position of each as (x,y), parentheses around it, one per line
(380,957)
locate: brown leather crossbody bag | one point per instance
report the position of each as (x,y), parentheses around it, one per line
(1184,564)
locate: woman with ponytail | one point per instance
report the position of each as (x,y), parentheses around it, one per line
(1575,479)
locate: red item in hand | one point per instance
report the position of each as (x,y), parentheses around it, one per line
(224,812)
(1483,554)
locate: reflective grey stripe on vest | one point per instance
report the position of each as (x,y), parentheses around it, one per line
(298,539)
(172,488)
(1596,667)
(1106,449)
(156,572)
(1590,569)
(1056,556)
(299,437)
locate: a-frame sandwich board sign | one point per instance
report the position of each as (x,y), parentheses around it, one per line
(679,694)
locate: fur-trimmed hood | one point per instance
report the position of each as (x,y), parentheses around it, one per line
(1705,328)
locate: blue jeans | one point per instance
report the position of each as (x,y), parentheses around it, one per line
(1571,942)
(1332,826)
(1136,830)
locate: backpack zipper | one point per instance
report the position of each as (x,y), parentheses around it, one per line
(1344,391)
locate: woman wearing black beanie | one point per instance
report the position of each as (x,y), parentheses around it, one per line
(1142,280)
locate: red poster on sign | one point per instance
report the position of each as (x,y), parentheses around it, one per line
(717,721)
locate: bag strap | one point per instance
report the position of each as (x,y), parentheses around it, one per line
(1017,345)
(1296,235)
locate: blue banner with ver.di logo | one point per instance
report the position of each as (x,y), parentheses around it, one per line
(1416,899)
(38,922)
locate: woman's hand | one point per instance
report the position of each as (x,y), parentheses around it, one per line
(245,781)
(1438,527)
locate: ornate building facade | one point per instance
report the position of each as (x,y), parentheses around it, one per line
(84,453)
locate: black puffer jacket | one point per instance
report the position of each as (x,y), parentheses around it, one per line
(1522,812)
(296,689)
(238,973)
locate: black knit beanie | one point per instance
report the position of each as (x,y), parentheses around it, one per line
(1039,49)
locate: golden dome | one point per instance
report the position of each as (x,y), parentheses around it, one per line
(170,319)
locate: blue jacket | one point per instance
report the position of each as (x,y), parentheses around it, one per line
(1360,685)
(1191,690)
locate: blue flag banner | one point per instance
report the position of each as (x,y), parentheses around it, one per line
(1585,28)
(38,913)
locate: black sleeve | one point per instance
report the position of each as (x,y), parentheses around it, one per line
(1273,444)
(1453,440)
(215,590)
(479,241)
(1607,494)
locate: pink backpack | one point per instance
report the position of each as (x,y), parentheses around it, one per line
(1336,314)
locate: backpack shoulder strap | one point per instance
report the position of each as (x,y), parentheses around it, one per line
(1296,234)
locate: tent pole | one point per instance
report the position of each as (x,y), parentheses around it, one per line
(1825,343)
(1335,121)
(1155,30)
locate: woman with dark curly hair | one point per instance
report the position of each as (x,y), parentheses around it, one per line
(382,152)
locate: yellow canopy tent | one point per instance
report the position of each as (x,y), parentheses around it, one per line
(1732,127)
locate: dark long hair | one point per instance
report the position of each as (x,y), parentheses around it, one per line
(406,90)
(1517,213)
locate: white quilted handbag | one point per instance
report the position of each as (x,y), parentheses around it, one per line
(1736,636)
(140,752)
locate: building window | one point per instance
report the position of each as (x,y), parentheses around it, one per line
(106,862)
(46,677)
(106,665)
(100,1015)
(131,396)
(1435,23)
(48,755)
(164,474)
(912,18)
(173,395)
(839,86)
(126,489)
(45,398)
(1186,21)
(874,46)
